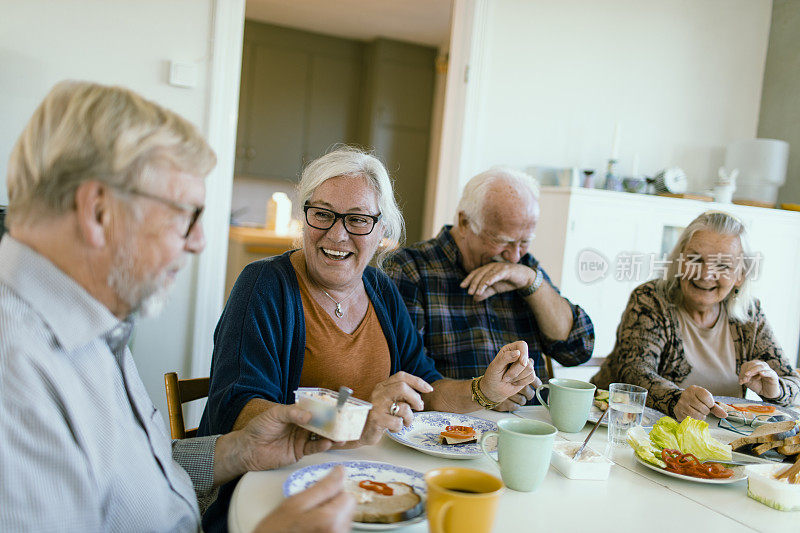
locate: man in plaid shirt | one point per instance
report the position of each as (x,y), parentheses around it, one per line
(474,287)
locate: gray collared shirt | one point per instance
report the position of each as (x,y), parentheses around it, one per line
(82,448)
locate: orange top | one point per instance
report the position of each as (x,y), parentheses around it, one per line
(359,360)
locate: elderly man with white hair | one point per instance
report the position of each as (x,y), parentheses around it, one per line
(106,190)
(475,286)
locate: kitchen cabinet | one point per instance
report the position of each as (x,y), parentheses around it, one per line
(299,95)
(246,245)
(582,231)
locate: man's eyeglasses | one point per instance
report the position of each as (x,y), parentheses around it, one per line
(195,210)
(354,223)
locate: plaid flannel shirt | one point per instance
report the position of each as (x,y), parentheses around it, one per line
(461,335)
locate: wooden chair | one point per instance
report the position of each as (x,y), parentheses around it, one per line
(180,391)
(548,365)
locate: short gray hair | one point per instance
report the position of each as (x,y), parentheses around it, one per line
(351,161)
(737,304)
(86,131)
(473,198)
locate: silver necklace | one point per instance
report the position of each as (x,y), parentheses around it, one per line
(338,310)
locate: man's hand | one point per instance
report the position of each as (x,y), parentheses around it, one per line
(270,440)
(496,278)
(517,400)
(509,373)
(759,377)
(322,508)
(697,402)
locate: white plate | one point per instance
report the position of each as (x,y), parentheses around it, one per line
(738,474)
(423,435)
(359,470)
(781,413)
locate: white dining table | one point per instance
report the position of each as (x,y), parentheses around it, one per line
(633,498)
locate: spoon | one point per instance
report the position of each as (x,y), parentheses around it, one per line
(344,394)
(580,450)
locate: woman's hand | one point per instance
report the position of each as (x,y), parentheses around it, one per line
(759,377)
(322,508)
(697,402)
(509,373)
(402,390)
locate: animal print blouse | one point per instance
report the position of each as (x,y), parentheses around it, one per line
(649,350)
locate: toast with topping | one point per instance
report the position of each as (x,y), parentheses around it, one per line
(383,506)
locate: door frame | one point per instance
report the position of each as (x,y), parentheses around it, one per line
(221,116)
(456,161)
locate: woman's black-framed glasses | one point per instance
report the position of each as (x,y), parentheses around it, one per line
(354,223)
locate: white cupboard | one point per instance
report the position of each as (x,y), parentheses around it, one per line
(582,231)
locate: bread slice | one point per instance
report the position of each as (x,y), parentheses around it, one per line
(372,507)
(774,431)
(452,440)
(788,449)
(764,447)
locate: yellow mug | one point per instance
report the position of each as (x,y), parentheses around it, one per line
(461,499)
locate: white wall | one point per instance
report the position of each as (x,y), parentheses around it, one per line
(124,42)
(682,77)
(250,196)
(780,104)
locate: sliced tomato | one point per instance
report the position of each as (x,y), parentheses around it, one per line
(458,432)
(761,409)
(737,407)
(376,486)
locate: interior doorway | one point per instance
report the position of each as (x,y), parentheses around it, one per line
(316,73)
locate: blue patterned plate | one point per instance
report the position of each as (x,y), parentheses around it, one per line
(423,435)
(357,471)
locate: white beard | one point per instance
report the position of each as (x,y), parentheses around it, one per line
(148,297)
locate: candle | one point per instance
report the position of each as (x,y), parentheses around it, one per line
(635,166)
(615,143)
(279,212)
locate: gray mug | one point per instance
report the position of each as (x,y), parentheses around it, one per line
(569,403)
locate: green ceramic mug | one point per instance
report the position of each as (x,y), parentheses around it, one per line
(524,448)
(569,403)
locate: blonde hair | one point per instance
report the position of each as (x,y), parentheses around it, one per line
(351,161)
(738,303)
(473,199)
(85,131)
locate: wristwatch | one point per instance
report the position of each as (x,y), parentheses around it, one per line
(533,287)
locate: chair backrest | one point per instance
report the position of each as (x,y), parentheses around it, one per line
(180,391)
(548,365)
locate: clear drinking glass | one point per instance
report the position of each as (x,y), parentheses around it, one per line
(626,406)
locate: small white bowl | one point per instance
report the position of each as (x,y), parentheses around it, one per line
(776,493)
(591,465)
(326,420)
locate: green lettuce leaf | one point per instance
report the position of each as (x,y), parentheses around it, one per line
(664,433)
(639,440)
(694,437)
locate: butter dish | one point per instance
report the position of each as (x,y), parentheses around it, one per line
(776,493)
(591,465)
(339,425)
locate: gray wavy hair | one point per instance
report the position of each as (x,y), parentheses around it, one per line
(737,304)
(351,161)
(473,198)
(86,131)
